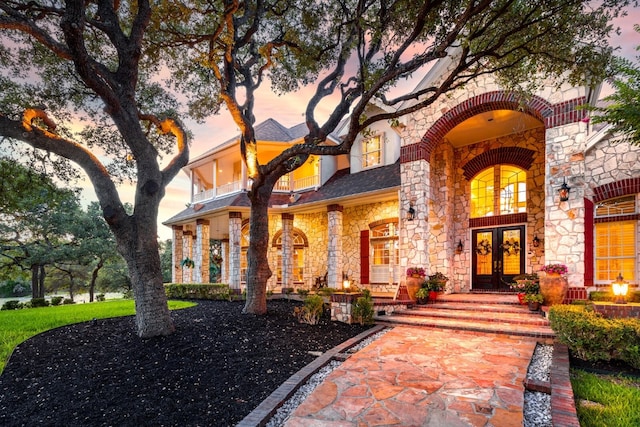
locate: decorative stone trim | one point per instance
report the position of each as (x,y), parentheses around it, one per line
(616,189)
(341,306)
(632,217)
(491,221)
(518,156)
(235,215)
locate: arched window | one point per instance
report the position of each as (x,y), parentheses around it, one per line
(615,239)
(499,190)
(300,242)
(384,252)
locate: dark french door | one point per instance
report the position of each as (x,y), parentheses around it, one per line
(497,256)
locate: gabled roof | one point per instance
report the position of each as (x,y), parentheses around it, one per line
(269,130)
(341,185)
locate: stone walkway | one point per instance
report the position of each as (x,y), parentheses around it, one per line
(424,377)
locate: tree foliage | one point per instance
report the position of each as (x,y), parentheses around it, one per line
(354,53)
(623,106)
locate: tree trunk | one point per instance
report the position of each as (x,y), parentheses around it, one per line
(137,243)
(258,271)
(37,281)
(94,278)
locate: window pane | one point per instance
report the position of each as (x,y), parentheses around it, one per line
(513,190)
(482,194)
(615,250)
(484,252)
(371,151)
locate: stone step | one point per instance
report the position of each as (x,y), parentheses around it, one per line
(493,308)
(483,326)
(499,313)
(516,316)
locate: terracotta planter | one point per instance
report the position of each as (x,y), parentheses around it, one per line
(521,298)
(413,284)
(553,288)
(433,295)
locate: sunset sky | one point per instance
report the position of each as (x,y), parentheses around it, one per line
(290,111)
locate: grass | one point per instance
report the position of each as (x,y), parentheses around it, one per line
(17,326)
(603,401)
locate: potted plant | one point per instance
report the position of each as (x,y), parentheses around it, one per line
(422,295)
(554,285)
(415,278)
(534,301)
(436,283)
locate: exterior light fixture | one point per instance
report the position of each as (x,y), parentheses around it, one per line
(346,284)
(563,191)
(536,241)
(459,247)
(411,213)
(620,289)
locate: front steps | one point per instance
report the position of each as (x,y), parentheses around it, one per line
(486,313)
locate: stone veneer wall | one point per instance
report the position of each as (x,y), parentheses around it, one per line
(314,226)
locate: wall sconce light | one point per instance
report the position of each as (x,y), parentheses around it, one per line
(459,247)
(346,284)
(563,191)
(620,289)
(536,241)
(411,213)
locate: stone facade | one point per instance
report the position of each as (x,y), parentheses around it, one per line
(435,181)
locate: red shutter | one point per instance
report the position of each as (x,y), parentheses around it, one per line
(364,256)
(589,266)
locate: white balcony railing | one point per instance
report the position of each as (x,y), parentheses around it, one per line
(232,187)
(306,182)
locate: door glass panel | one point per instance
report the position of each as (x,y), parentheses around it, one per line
(484,252)
(511,252)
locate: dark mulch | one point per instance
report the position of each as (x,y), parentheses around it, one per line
(604,367)
(216,368)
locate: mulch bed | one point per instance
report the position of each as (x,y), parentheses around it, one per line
(216,368)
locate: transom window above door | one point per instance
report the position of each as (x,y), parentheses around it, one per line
(499,190)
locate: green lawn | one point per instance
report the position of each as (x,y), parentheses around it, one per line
(17,326)
(604,401)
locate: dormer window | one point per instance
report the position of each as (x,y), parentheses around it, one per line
(372,151)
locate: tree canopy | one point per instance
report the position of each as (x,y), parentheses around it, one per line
(622,109)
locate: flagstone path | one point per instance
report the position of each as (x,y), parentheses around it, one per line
(415,376)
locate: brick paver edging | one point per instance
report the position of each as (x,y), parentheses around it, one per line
(261,414)
(563,407)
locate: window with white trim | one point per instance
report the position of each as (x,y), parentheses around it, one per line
(615,240)
(385,254)
(372,151)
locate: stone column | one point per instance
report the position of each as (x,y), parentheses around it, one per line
(235,230)
(224,267)
(187,245)
(565,221)
(334,258)
(414,234)
(176,254)
(201,255)
(287,250)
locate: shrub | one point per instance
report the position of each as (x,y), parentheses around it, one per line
(39,302)
(311,311)
(362,308)
(56,300)
(13,304)
(207,291)
(592,337)
(608,296)
(325,292)
(68,301)
(100,297)
(303,292)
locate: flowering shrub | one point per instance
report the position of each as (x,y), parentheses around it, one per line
(555,268)
(416,271)
(526,287)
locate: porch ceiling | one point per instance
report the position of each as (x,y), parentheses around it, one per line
(490,125)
